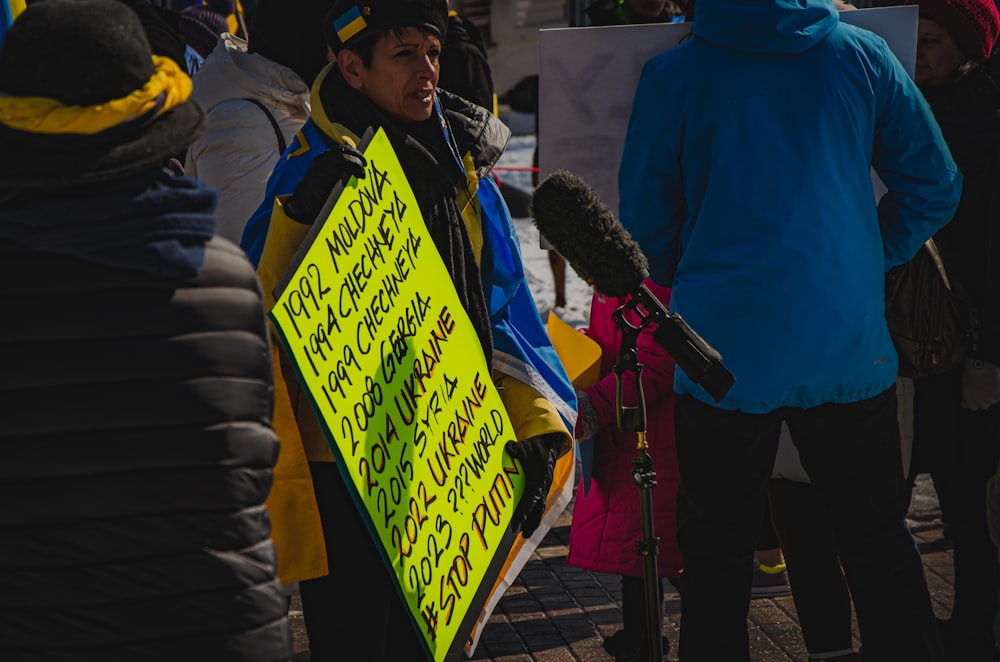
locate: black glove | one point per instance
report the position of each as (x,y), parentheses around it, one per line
(332,166)
(538,457)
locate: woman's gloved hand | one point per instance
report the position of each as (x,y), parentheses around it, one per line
(980,384)
(332,166)
(537,456)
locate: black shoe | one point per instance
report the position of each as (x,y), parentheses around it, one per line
(965,646)
(622,648)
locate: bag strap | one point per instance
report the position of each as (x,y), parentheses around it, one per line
(935,254)
(274,124)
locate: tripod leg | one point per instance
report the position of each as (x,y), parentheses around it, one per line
(644,476)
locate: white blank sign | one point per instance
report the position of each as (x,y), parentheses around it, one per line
(588,76)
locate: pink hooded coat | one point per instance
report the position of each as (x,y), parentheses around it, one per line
(606,521)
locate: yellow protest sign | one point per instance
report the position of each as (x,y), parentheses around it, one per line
(397,377)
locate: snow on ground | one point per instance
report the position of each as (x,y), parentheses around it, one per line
(536,262)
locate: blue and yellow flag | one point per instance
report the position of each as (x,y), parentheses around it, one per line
(349,24)
(9,9)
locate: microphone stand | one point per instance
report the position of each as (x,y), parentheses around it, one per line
(703,365)
(633,419)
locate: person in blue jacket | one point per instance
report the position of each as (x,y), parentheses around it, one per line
(753,201)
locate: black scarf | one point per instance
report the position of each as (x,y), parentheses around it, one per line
(967,110)
(434,175)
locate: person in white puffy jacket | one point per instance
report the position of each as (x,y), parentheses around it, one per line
(256,96)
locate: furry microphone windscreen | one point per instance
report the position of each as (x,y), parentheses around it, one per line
(568,213)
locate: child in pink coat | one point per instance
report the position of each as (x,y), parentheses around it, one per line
(606,515)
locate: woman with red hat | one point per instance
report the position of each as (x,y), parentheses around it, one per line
(956,419)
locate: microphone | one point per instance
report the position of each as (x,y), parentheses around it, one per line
(573,219)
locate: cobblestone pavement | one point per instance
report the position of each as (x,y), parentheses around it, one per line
(556,613)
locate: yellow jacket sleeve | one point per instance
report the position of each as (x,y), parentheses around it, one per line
(284,236)
(295,523)
(296,528)
(530,413)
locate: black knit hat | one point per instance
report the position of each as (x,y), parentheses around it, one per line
(290,32)
(202,26)
(351,21)
(82,53)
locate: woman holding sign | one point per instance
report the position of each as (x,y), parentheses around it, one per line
(385,76)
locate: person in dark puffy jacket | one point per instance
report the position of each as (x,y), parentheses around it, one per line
(137,385)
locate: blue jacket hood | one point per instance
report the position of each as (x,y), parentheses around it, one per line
(765,26)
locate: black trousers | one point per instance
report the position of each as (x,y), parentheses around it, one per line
(960,450)
(819,589)
(852,455)
(354,613)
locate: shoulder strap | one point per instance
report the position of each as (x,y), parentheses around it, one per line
(938,261)
(274,124)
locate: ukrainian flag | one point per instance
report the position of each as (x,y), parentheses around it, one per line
(9,9)
(349,24)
